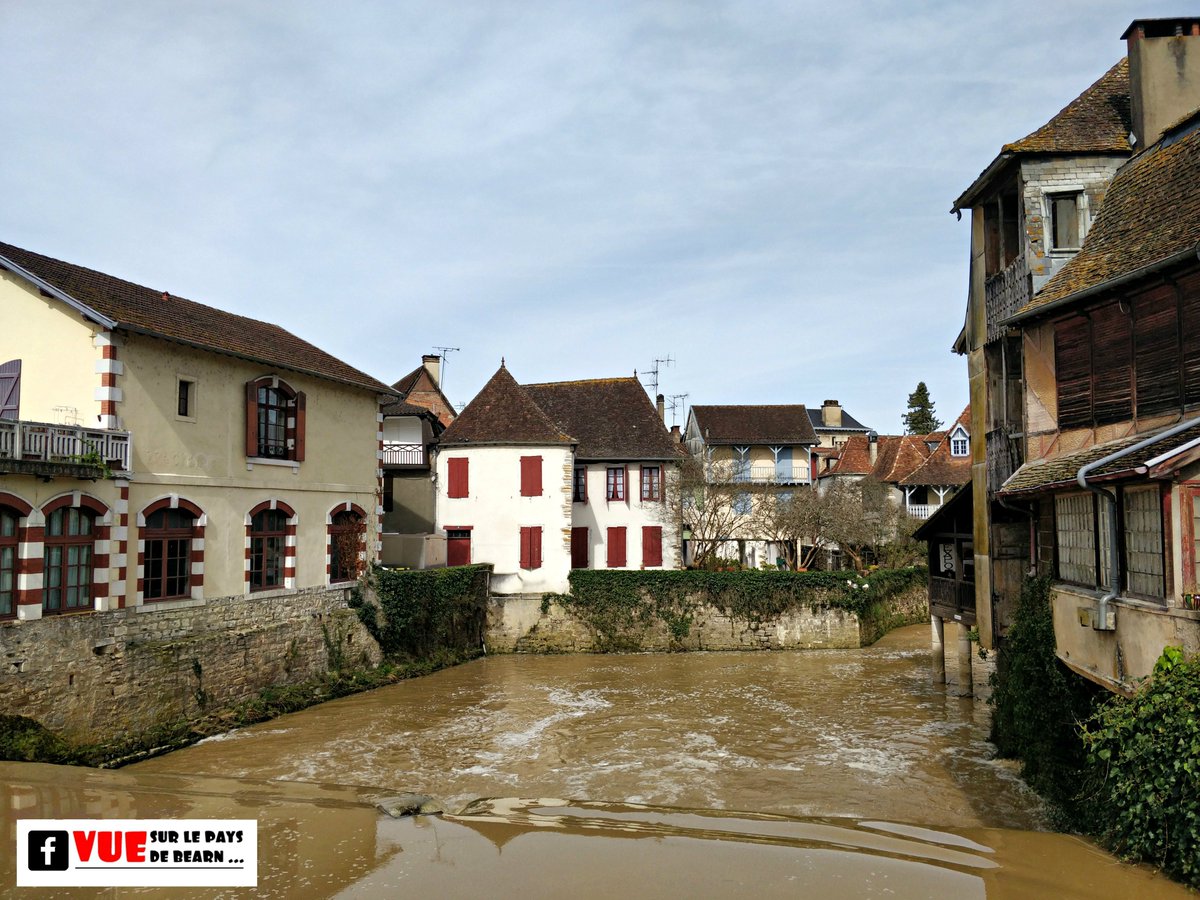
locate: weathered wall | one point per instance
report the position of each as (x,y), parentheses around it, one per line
(516,624)
(108,675)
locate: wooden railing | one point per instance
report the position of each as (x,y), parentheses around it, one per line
(64,444)
(1004,293)
(1004,456)
(946,595)
(765,474)
(403,454)
(922,510)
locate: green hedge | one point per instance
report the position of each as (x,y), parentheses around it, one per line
(612,602)
(424,611)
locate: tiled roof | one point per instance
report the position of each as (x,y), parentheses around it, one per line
(940,468)
(896,457)
(611,418)
(1061,471)
(1151,214)
(504,413)
(160,314)
(404,408)
(419,389)
(1097,121)
(848,422)
(776,425)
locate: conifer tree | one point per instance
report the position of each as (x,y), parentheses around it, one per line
(920,418)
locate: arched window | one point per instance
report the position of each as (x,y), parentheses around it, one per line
(268,542)
(346,532)
(167,558)
(275,417)
(70,540)
(8,562)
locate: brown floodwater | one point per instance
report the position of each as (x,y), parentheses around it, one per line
(819,774)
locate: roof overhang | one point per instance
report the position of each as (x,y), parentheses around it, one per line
(968,197)
(49,289)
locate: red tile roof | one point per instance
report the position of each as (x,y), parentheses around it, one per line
(611,418)
(157,313)
(896,457)
(940,468)
(504,413)
(777,425)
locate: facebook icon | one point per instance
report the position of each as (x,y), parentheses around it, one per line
(47,851)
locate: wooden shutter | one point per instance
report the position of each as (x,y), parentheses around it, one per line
(252,418)
(579,548)
(1156,351)
(1112,379)
(616,548)
(652,545)
(531,476)
(524,552)
(10,389)
(300,423)
(535,547)
(628,489)
(459,477)
(1189,326)
(1073,372)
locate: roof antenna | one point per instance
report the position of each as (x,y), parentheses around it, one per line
(442,374)
(677,403)
(666,361)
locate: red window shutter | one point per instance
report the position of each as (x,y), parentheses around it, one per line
(628,492)
(300,416)
(652,545)
(251,418)
(616,548)
(531,476)
(525,547)
(579,548)
(458,474)
(535,547)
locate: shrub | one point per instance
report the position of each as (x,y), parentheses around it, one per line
(1146,749)
(427,610)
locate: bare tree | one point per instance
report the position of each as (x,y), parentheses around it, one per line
(710,505)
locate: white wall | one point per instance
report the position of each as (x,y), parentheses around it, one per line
(402,430)
(598,515)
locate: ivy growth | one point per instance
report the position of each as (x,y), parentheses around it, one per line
(427,610)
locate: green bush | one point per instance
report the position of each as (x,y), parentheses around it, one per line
(1037,706)
(1146,749)
(427,610)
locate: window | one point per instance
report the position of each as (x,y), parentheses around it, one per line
(1064,221)
(1144,541)
(741,503)
(615,485)
(8,562)
(579,491)
(1190,519)
(275,420)
(268,540)
(167,557)
(531,547)
(458,546)
(458,475)
(741,463)
(579,548)
(1075,531)
(531,476)
(960,442)
(616,548)
(347,532)
(67,567)
(1083,540)
(185,403)
(652,546)
(651,483)
(389,502)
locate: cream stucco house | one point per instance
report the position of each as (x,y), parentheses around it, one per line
(158,453)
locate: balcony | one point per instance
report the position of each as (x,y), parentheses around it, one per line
(407,455)
(781,474)
(952,599)
(37,448)
(1004,293)
(922,510)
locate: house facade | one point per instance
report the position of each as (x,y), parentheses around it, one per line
(834,426)
(1110,485)
(539,479)
(158,453)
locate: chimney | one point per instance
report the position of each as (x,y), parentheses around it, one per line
(661,403)
(831,414)
(676,435)
(433,365)
(1164,74)
(873,446)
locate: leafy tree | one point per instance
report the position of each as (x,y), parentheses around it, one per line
(920,418)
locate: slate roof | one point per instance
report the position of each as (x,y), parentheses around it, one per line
(1150,215)
(940,468)
(1097,121)
(1060,471)
(727,425)
(849,423)
(160,314)
(896,457)
(611,418)
(503,412)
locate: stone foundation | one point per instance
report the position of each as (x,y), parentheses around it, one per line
(97,676)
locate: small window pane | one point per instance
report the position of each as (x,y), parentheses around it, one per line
(1144,542)
(1076,533)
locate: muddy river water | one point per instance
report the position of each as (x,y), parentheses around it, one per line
(819,774)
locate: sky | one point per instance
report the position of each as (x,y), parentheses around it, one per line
(758,191)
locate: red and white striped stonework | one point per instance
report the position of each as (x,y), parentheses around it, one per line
(289,553)
(362,540)
(30,529)
(199,521)
(109,368)
(378,521)
(120,537)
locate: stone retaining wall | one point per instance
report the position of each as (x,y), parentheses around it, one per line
(106,675)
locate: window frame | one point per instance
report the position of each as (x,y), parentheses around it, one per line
(1078,196)
(259,549)
(293,407)
(652,492)
(63,543)
(162,537)
(10,544)
(339,534)
(185,398)
(579,485)
(616,488)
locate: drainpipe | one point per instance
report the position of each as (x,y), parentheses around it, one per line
(1114,570)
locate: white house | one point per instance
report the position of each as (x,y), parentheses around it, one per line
(539,479)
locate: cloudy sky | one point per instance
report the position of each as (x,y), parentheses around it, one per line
(758,189)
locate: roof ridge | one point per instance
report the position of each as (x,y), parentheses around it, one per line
(541,384)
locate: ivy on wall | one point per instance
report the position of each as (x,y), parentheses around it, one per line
(423,611)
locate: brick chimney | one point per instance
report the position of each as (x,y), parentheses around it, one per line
(831,414)
(1164,74)
(873,446)
(660,403)
(433,365)
(676,435)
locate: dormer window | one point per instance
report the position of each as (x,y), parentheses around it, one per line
(960,442)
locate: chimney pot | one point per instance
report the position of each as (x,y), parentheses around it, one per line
(433,365)
(676,435)
(1164,74)
(661,403)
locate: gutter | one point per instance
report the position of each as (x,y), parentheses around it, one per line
(66,298)
(1102,620)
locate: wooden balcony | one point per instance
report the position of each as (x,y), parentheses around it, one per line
(38,448)
(922,510)
(1004,293)
(766,474)
(952,599)
(408,456)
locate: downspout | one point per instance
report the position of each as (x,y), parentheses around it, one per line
(1114,570)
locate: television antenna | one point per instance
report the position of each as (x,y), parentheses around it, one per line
(676,402)
(661,363)
(442,354)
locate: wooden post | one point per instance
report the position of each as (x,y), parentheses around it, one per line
(938,650)
(966,682)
